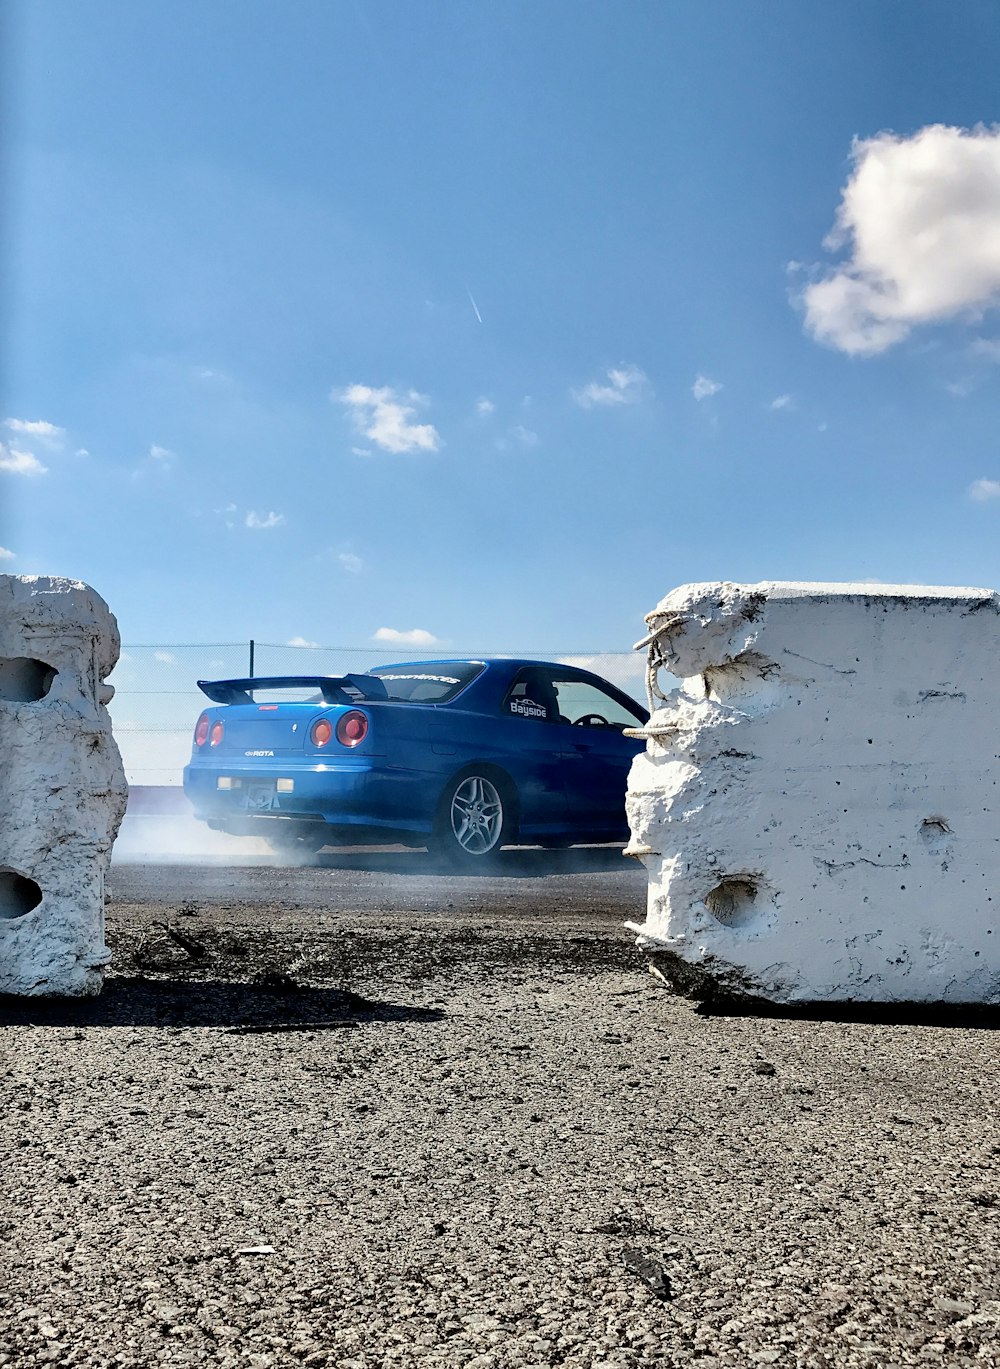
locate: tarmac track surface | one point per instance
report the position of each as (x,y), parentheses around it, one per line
(366,1114)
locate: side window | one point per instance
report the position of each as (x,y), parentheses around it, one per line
(586,704)
(532,696)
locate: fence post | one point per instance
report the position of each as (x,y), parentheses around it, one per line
(251,658)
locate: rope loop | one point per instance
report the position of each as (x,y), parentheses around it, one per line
(658,654)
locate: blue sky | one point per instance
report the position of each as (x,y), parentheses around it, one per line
(491,323)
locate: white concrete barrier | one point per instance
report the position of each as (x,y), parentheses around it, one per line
(818,805)
(62,786)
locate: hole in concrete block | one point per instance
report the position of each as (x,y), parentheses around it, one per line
(733,901)
(935,827)
(23,680)
(18,895)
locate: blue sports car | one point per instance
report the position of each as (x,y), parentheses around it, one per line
(460,756)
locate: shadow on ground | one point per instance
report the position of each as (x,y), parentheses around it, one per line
(270,1004)
(984,1017)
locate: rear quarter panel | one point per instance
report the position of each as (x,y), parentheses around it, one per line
(423,747)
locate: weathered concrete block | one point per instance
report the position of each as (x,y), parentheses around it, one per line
(818,805)
(62,786)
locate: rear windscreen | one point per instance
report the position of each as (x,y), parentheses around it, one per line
(427,684)
(289,694)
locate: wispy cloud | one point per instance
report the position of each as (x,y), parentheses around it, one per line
(18,462)
(6,554)
(525,436)
(164,657)
(485,407)
(781,402)
(160,457)
(157,463)
(386,418)
(49,433)
(987,348)
(704,387)
(269,520)
(920,219)
(624,385)
(416,636)
(475,306)
(351,563)
(301,641)
(983,490)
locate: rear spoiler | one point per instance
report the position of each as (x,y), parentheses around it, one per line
(335,689)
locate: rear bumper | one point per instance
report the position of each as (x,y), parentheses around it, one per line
(363,795)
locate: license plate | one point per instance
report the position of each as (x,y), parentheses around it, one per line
(260,798)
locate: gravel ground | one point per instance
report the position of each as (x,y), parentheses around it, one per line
(444,1136)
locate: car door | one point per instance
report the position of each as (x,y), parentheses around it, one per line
(536,743)
(596,773)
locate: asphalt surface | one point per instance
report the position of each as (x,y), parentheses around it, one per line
(367,1114)
(591,886)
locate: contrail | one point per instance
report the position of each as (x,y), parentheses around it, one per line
(475,308)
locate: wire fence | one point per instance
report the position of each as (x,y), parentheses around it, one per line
(157,700)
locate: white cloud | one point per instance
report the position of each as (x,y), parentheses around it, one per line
(269,520)
(161,454)
(386,418)
(416,636)
(6,554)
(164,657)
(961,389)
(17,462)
(781,402)
(48,433)
(81,451)
(920,219)
(525,436)
(485,407)
(626,385)
(349,562)
(301,641)
(704,387)
(984,489)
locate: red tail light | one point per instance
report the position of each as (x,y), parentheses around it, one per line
(216,734)
(201,731)
(352,728)
(320,732)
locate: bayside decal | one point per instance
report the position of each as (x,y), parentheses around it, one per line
(527,708)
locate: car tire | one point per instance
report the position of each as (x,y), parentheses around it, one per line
(296,838)
(474,819)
